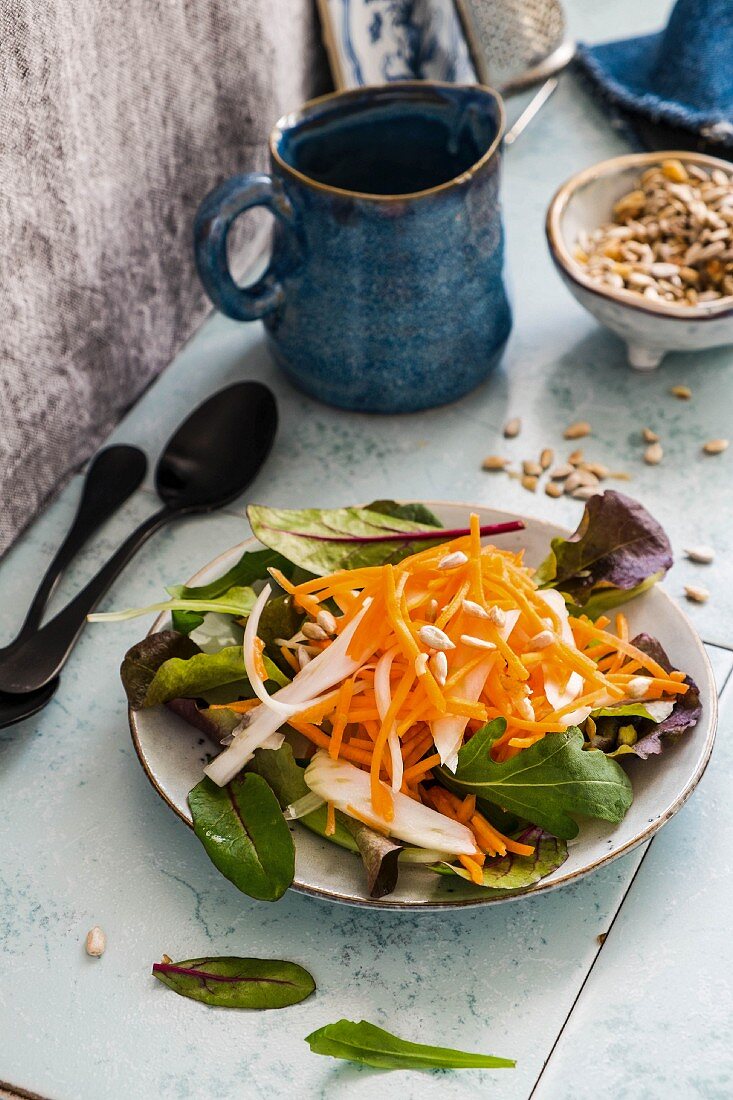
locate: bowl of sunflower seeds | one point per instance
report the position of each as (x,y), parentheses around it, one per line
(645,244)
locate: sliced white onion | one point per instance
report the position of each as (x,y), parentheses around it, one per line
(303,806)
(250,660)
(383,695)
(330,667)
(448,732)
(556,602)
(346,786)
(421,855)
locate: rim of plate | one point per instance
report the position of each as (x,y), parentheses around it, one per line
(542,886)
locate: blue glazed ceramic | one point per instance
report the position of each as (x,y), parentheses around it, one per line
(384,292)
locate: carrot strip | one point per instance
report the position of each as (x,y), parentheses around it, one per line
(341,718)
(330,819)
(417,771)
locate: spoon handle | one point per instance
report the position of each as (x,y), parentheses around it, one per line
(112,477)
(41,657)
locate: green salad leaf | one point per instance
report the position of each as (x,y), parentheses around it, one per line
(513,872)
(245,835)
(418,513)
(284,776)
(324,540)
(149,681)
(231,982)
(372,1046)
(280,618)
(618,551)
(545,783)
(235,601)
(216,722)
(252,566)
(380,855)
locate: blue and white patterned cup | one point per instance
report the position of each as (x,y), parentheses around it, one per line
(385,289)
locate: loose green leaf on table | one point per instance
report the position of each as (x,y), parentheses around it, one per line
(544,783)
(245,835)
(617,552)
(372,1046)
(514,872)
(232,982)
(324,540)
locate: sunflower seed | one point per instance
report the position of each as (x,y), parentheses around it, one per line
(476,643)
(542,640)
(494,462)
(554,489)
(475,609)
(435,638)
(431,611)
(637,687)
(421,663)
(304,657)
(326,621)
(438,665)
(512,428)
(649,436)
(598,470)
(683,393)
(715,446)
(525,708)
(577,430)
(703,555)
(696,594)
(585,492)
(529,482)
(497,616)
(547,457)
(575,457)
(96,942)
(653,454)
(315,632)
(452,561)
(531,469)
(559,473)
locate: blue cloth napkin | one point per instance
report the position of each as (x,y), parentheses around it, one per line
(682,75)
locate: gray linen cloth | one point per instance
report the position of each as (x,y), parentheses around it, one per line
(116,119)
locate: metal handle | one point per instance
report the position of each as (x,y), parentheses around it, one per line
(113,475)
(41,657)
(214,219)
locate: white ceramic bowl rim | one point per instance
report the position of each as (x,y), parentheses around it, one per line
(563,257)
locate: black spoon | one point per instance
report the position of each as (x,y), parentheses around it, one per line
(112,477)
(209,462)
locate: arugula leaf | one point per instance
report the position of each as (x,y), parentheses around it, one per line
(617,552)
(252,566)
(544,783)
(192,676)
(235,601)
(372,1046)
(324,540)
(232,982)
(245,835)
(513,872)
(285,778)
(380,855)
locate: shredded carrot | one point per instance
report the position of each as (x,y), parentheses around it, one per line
(290,657)
(341,718)
(417,771)
(330,819)
(241,706)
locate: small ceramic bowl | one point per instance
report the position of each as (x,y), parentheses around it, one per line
(649,329)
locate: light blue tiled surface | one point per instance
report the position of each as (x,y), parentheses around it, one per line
(86,840)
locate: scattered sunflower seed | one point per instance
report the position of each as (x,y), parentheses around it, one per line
(529,482)
(315,632)
(559,473)
(597,469)
(578,430)
(637,687)
(683,393)
(525,708)
(715,446)
(438,665)
(476,643)
(547,457)
(431,611)
(421,663)
(452,561)
(575,457)
(435,638)
(542,640)
(512,428)
(531,469)
(703,555)
(554,489)
(585,492)
(649,436)
(696,594)
(653,454)
(475,609)
(497,616)
(96,942)
(326,621)
(494,462)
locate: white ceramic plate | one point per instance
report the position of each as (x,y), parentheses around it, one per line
(172,754)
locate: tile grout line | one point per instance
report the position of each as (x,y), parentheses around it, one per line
(727,679)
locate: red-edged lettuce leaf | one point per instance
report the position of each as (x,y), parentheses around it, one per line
(686,712)
(617,552)
(513,872)
(217,724)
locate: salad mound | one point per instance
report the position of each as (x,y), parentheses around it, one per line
(415,695)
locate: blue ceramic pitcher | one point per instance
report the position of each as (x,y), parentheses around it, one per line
(384,292)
